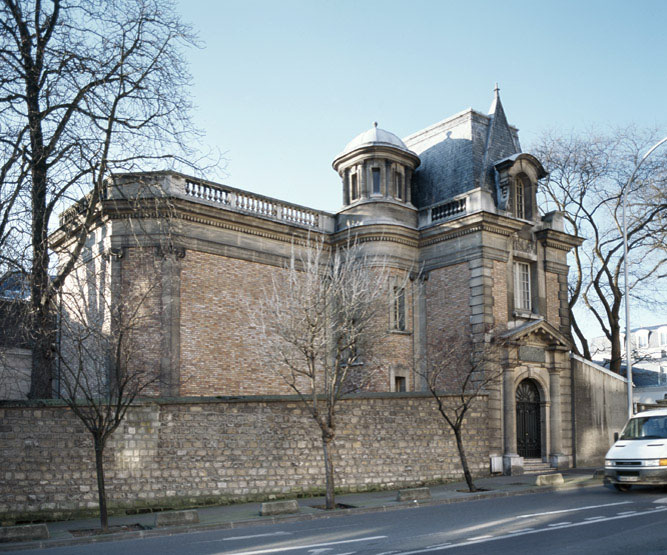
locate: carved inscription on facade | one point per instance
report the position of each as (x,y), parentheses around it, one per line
(532,354)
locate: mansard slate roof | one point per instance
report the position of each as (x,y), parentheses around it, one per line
(458,153)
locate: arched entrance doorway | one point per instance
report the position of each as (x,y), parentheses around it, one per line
(528,424)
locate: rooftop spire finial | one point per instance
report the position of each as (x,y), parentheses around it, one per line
(375,124)
(496,100)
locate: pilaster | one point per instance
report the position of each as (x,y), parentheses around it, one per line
(170,320)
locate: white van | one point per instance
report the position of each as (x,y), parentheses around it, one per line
(639,455)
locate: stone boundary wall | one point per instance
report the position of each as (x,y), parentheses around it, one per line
(599,409)
(187,452)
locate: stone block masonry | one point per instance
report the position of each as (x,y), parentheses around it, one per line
(190,452)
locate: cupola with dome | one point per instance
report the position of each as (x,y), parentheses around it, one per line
(376,169)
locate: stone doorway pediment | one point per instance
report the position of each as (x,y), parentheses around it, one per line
(537,333)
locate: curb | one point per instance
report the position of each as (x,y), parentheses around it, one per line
(261,521)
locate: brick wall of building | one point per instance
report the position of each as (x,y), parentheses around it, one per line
(221,352)
(174,454)
(448,300)
(140,295)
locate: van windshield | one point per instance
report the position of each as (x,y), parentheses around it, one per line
(646,427)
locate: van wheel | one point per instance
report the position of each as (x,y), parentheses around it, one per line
(622,487)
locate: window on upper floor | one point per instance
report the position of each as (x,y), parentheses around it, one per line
(376,180)
(522,199)
(522,286)
(642,340)
(399,383)
(397,317)
(400,186)
(663,338)
(354,187)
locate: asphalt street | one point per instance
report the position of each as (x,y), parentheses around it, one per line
(588,520)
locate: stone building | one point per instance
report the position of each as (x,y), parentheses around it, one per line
(453,206)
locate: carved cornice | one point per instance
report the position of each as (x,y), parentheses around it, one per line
(559,240)
(556,268)
(478,226)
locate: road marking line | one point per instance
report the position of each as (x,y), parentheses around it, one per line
(234,538)
(557,524)
(627,513)
(575,509)
(661,500)
(521,530)
(256,536)
(479,538)
(313,546)
(530,532)
(595,517)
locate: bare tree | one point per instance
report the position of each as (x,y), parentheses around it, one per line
(322,321)
(457,372)
(102,370)
(87,88)
(587,177)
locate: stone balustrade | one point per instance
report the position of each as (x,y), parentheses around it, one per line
(244,201)
(174,185)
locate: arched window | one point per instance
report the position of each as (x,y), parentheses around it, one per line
(522,200)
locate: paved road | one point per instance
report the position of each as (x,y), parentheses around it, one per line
(590,520)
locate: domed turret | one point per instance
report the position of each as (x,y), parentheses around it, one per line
(374,137)
(376,166)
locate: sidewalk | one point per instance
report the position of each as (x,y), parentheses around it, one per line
(247,514)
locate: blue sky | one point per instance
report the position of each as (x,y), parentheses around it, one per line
(282,86)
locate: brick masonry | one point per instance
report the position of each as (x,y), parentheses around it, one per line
(448,299)
(221,353)
(185,453)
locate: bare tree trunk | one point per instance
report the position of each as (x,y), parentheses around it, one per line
(327,438)
(464,460)
(42,353)
(585,349)
(41,378)
(616,359)
(101,491)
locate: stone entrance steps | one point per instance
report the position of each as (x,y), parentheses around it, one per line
(536,466)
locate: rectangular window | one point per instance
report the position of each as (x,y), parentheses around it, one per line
(398,309)
(400,194)
(399,383)
(642,341)
(663,338)
(522,292)
(376,181)
(354,187)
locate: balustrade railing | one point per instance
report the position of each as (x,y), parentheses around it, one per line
(255,204)
(448,210)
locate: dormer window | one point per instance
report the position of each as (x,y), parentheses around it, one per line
(376,180)
(522,201)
